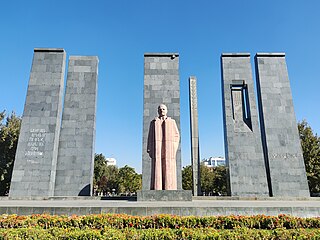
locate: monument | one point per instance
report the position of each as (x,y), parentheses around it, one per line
(243,148)
(74,176)
(161,85)
(50,162)
(163,142)
(282,155)
(194,134)
(34,169)
(280,137)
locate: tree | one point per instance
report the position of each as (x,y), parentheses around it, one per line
(112,176)
(310,144)
(220,180)
(9,134)
(99,166)
(187,177)
(213,180)
(105,177)
(129,180)
(206,179)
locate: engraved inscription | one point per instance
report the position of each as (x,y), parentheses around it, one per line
(36,142)
(284,155)
(193,94)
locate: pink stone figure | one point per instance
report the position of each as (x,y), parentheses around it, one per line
(163,142)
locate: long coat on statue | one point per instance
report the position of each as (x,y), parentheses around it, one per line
(163,142)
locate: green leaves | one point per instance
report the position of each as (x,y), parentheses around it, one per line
(213,179)
(9,134)
(123,179)
(129,180)
(187,177)
(161,221)
(310,144)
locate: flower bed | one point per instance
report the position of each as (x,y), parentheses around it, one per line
(115,226)
(165,233)
(120,221)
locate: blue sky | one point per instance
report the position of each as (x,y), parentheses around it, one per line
(120,32)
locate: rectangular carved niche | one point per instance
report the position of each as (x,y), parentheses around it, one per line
(240,106)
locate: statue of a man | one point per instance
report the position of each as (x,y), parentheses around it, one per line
(163,142)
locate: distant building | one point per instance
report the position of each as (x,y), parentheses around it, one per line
(214,161)
(111,161)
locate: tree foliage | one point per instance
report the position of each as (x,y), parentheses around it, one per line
(122,180)
(213,179)
(129,180)
(310,144)
(9,134)
(187,177)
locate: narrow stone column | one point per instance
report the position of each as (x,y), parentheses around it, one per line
(76,147)
(194,131)
(36,157)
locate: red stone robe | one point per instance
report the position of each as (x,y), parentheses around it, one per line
(163,142)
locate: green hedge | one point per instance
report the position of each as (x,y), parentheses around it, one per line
(115,226)
(122,221)
(183,233)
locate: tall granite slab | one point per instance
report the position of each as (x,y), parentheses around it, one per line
(36,157)
(194,130)
(243,148)
(280,137)
(77,137)
(161,85)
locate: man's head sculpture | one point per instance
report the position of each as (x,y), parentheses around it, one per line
(162,110)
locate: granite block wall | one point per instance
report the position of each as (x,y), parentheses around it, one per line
(243,148)
(161,85)
(75,164)
(280,137)
(35,163)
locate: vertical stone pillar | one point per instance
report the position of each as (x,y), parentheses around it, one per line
(195,154)
(36,157)
(280,137)
(244,156)
(161,85)
(76,147)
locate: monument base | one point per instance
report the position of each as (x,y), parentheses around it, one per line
(200,206)
(164,195)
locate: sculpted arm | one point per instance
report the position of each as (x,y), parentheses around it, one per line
(176,136)
(150,146)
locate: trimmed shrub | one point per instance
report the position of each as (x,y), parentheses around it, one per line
(122,221)
(166,233)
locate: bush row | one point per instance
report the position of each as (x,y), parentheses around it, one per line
(183,233)
(122,221)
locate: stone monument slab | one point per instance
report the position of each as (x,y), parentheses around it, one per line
(75,164)
(243,148)
(161,85)
(280,137)
(34,169)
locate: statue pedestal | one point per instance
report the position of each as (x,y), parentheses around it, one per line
(164,195)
